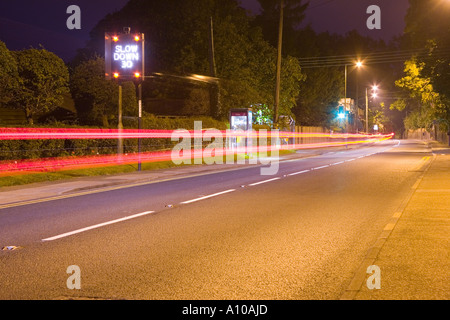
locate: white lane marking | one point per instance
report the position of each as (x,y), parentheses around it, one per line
(350,160)
(300,172)
(317,168)
(260,182)
(208,196)
(63,235)
(336,163)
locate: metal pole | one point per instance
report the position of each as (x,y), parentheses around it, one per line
(346,107)
(278,80)
(139,125)
(345,89)
(367,112)
(355,121)
(120,125)
(212,61)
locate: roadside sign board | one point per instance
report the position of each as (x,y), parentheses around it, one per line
(124,56)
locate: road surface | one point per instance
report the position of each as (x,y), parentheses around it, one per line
(299,234)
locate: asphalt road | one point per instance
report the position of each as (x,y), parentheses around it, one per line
(299,234)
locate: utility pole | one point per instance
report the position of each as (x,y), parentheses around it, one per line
(214,87)
(212,61)
(280,43)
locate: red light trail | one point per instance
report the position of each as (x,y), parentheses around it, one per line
(67,133)
(69,163)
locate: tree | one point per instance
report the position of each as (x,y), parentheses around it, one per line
(424,103)
(268,20)
(382,119)
(428,75)
(9,75)
(43,81)
(95,97)
(177,38)
(197,103)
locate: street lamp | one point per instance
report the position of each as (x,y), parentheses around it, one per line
(374,91)
(358,64)
(374,96)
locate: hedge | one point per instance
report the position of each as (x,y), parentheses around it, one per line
(40,148)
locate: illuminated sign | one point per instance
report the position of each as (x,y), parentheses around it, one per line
(124,56)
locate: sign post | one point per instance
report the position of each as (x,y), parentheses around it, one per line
(125,61)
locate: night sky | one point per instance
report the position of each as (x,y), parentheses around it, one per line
(25,23)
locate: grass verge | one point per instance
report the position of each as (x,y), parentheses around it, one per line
(35,177)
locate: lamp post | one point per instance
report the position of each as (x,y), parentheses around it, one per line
(374,95)
(355,122)
(358,64)
(367,112)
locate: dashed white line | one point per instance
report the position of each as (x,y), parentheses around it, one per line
(261,182)
(63,235)
(299,172)
(208,196)
(317,168)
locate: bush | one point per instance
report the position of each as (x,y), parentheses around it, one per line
(34,149)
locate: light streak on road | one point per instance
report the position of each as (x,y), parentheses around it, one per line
(69,133)
(10,167)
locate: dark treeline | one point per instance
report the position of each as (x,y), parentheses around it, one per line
(177,45)
(177,36)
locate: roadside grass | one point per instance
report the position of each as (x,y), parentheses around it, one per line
(35,177)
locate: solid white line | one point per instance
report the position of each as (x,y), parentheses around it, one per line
(300,172)
(209,196)
(256,183)
(97,226)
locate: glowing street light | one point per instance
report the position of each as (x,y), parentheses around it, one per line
(359,65)
(374,96)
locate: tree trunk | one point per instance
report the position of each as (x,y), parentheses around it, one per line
(105,121)
(29,116)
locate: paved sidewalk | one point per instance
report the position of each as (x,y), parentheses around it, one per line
(412,253)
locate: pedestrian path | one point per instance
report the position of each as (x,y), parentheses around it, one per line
(412,253)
